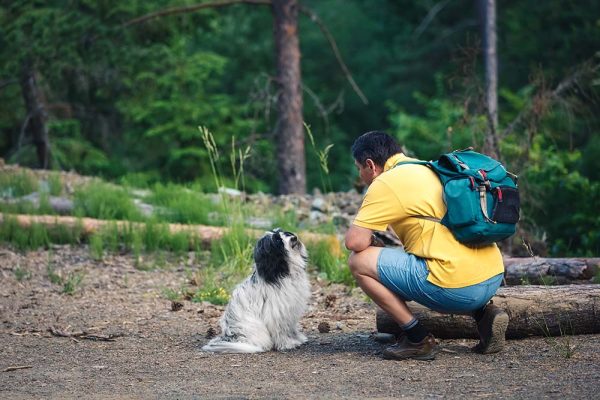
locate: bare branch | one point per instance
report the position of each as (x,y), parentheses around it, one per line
(568,84)
(429,17)
(315,18)
(188,9)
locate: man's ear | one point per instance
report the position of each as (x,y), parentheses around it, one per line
(370,164)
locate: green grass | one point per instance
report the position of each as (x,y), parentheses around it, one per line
(105,201)
(17,184)
(21,274)
(55,186)
(72,282)
(96,247)
(330,260)
(179,204)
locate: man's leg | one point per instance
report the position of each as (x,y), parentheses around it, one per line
(363,266)
(420,344)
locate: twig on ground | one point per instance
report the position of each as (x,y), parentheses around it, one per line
(16,368)
(84,335)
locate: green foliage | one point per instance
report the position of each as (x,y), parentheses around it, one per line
(562,201)
(441,128)
(331,261)
(72,282)
(105,201)
(17,184)
(124,103)
(183,205)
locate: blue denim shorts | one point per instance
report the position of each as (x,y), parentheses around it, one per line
(406,275)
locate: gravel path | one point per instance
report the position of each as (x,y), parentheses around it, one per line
(154,352)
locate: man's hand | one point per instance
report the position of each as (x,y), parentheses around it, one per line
(377,242)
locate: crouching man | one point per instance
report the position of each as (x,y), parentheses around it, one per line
(433,269)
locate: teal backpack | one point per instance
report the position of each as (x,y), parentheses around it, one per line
(482,198)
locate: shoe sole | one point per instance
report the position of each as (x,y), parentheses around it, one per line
(497,340)
(424,357)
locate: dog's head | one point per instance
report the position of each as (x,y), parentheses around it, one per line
(278,254)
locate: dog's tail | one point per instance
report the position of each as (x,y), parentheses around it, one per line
(218,345)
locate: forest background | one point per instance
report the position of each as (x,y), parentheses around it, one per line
(124,101)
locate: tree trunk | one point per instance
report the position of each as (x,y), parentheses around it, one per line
(37,115)
(289,128)
(533,311)
(549,270)
(488,19)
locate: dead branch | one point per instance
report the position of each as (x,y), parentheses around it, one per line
(16,368)
(188,9)
(315,18)
(568,84)
(84,335)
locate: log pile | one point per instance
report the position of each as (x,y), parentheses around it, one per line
(533,311)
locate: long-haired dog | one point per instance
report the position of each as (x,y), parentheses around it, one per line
(264,311)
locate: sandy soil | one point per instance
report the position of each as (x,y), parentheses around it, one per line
(154,352)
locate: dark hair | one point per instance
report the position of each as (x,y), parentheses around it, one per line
(376,145)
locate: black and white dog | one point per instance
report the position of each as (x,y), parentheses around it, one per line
(264,311)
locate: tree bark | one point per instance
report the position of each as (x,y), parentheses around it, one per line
(535,270)
(488,19)
(533,311)
(289,128)
(37,115)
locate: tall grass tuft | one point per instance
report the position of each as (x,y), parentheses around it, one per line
(323,156)
(182,205)
(105,201)
(17,184)
(330,260)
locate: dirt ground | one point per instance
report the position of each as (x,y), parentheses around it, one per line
(145,349)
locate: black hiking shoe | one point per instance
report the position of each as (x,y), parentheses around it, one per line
(492,330)
(424,350)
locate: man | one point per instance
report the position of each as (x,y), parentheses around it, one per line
(433,269)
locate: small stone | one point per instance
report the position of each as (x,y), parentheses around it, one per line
(324,327)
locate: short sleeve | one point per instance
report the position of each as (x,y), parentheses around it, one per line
(380,207)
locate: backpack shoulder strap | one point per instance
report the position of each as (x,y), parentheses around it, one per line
(412,162)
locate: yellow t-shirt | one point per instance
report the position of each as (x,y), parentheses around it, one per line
(398,195)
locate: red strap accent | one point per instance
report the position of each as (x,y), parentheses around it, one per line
(472,183)
(499,194)
(483,174)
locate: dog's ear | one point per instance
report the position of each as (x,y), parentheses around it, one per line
(270,258)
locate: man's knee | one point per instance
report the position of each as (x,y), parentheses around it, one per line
(362,263)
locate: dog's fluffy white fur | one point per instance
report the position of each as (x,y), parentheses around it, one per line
(264,311)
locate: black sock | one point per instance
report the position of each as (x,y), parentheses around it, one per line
(478,314)
(415,331)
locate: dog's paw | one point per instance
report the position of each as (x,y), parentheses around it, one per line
(288,344)
(301,337)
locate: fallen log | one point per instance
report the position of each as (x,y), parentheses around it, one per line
(203,233)
(536,270)
(533,311)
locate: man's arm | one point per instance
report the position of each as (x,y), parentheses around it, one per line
(359,238)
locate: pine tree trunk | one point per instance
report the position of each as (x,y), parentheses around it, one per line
(289,128)
(488,17)
(36,114)
(533,311)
